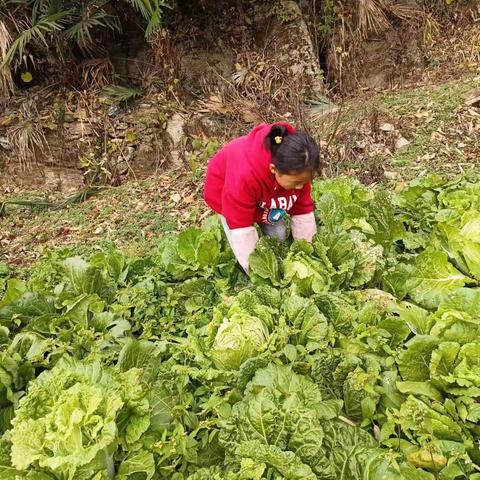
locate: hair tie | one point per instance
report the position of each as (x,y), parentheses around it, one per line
(278,139)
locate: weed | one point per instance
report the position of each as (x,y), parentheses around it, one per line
(27,136)
(121,94)
(202,150)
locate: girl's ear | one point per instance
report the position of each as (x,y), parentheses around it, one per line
(273,169)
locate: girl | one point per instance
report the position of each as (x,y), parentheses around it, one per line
(259,178)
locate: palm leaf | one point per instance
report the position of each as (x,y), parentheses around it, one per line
(42,8)
(155,20)
(38,31)
(144,7)
(154,23)
(90,17)
(121,94)
(45,204)
(371,16)
(36,204)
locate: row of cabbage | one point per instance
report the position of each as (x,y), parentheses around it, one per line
(354,357)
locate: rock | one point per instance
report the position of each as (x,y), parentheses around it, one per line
(65,180)
(175,128)
(387,56)
(175,132)
(79,129)
(51,179)
(401,143)
(5,143)
(376,80)
(387,127)
(472,98)
(98,231)
(129,153)
(295,55)
(205,67)
(176,198)
(390,175)
(113,110)
(121,164)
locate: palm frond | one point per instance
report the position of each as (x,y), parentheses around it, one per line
(27,139)
(154,24)
(149,8)
(34,205)
(121,94)
(144,7)
(407,11)
(42,8)
(371,16)
(319,105)
(38,204)
(38,31)
(91,16)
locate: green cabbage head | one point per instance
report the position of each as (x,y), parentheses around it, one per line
(238,338)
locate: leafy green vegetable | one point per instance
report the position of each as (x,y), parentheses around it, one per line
(433,279)
(263,263)
(355,357)
(238,338)
(414,361)
(75,416)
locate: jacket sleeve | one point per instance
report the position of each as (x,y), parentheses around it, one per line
(304,203)
(239,205)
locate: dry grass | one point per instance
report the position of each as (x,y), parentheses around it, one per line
(261,89)
(27,139)
(6,81)
(357,21)
(371,16)
(96,73)
(27,136)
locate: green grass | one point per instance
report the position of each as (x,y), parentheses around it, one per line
(134,216)
(443,98)
(428,115)
(433,118)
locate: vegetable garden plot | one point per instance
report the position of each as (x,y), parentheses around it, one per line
(355,357)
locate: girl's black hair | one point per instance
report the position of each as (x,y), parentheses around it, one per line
(294,152)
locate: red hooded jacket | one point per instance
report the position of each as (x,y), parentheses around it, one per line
(241,187)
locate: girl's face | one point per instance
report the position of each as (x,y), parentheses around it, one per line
(291,181)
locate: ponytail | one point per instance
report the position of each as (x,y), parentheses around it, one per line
(293,152)
(275,137)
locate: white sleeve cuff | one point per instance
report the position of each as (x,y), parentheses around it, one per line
(304,226)
(243,244)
